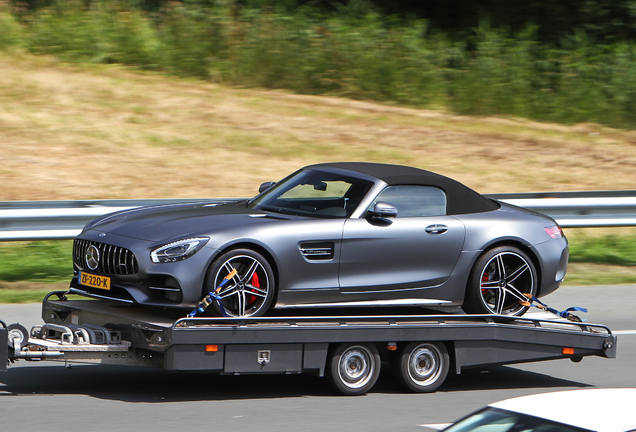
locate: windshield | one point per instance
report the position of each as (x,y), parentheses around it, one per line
(314,193)
(497,420)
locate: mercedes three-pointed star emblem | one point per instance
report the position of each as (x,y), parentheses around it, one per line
(92,257)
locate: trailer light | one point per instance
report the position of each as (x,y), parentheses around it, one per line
(391,346)
(211,348)
(568,351)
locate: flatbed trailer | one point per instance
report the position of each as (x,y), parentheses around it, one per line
(348,350)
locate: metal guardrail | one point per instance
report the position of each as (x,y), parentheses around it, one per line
(49,220)
(580,209)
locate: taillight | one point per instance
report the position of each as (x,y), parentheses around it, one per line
(554,231)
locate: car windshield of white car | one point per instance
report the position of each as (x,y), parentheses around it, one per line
(498,420)
(314,193)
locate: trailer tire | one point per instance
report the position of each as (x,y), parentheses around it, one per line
(422,367)
(18,336)
(354,368)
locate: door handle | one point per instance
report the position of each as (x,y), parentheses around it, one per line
(436,229)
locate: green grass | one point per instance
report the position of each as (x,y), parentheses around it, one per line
(45,261)
(611,249)
(29,270)
(599,274)
(13,295)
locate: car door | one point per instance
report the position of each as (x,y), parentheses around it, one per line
(417,249)
(310,252)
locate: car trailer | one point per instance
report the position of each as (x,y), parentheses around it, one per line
(348,350)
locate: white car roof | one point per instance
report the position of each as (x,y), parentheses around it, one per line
(601,410)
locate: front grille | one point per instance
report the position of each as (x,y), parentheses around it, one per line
(112,259)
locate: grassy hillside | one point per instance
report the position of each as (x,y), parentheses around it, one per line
(96,131)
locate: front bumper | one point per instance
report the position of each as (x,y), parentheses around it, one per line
(176,284)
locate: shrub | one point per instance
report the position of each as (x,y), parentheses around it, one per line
(353,53)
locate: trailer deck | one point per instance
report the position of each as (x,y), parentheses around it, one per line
(348,349)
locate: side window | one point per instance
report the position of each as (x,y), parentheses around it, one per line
(414,201)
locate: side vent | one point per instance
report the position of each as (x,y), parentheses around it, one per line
(317,251)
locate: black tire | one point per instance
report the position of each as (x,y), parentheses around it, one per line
(248,294)
(354,368)
(499,281)
(18,336)
(422,366)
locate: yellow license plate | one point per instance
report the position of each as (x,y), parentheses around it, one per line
(94,281)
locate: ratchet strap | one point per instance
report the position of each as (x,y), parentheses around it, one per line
(563,314)
(213,296)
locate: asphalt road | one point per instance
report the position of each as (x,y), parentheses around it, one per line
(41,396)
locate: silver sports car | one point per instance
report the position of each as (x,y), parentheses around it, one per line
(335,234)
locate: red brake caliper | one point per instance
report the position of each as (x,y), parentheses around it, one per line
(484,278)
(256,284)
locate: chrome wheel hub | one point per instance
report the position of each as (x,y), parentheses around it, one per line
(355,366)
(424,364)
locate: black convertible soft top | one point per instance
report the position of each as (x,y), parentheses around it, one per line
(460,199)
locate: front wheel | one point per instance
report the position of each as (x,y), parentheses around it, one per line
(500,282)
(247,294)
(423,367)
(354,368)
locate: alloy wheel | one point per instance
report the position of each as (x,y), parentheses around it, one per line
(504,281)
(247,292)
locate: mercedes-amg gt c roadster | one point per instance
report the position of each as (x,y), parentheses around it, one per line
(328,235)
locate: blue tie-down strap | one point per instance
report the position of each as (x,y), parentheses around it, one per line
(566,313)
(207,300)
(563,314)
(218,300)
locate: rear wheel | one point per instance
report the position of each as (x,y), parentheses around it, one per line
(247,294)
(423,367)
(354,368)
(499,282)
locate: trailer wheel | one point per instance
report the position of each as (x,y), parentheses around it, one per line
(18,336)
(423,367)
(354,368)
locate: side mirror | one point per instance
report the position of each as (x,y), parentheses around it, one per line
(262,188)
(384,210)
(320,186)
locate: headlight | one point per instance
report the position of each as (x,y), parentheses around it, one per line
(179,250)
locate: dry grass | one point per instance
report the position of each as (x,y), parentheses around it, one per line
(91,132)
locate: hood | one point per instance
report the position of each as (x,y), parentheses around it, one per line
(171,222)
